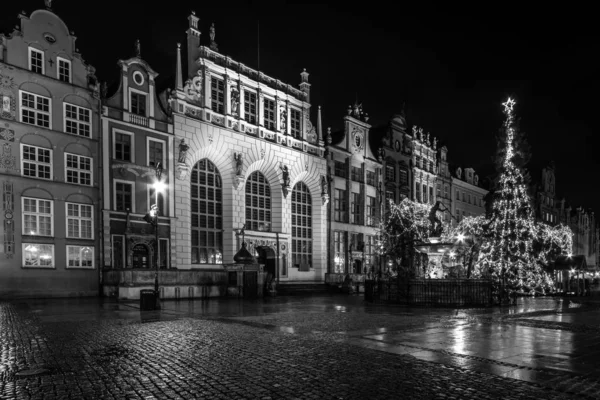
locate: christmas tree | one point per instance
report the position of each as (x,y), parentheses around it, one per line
(507,253)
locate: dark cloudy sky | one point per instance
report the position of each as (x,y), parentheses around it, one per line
(453,67)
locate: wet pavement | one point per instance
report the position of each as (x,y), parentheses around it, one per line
(336,347)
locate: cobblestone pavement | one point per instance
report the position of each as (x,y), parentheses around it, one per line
(297,348)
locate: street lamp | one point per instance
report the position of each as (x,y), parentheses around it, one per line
(152,219)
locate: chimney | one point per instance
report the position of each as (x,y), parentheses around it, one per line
(179,73)
(193,44)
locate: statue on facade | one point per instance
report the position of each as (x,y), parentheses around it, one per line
(138,50)
(329,138)
(324,185)
(213,44)
(428,141)
(239,163)
(48,3)
(286,175)
(381,154)
(436,225)
(421,136)
(434,143)
(103,90)
(415,132)
(235,101)
(183,148)
(283,124)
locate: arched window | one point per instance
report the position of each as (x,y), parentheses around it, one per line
(207,214)
(301,227)
(258,203)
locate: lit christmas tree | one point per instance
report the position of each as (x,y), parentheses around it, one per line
(507,251)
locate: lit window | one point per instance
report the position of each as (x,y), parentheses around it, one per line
(207,213)
(138,104)
(301,227)
(37,255)
(64,70)
(80,221)
(36,162)
(37,217)
(80,257)
(269,114)
(250,107)
(217,87)
(295,124)
(123,196)
(36,61)
(77,120)
(78,169)
(258,203)
(35,109)
(339,250)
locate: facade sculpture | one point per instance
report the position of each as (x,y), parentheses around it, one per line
(183,148)
(239,163)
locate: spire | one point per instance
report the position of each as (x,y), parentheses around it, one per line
(319,126)
(179,73)
(138,51)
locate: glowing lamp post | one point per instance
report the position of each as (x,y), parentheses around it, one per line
(152,218)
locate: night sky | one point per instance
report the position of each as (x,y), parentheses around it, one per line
(451,67)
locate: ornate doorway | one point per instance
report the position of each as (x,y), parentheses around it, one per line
(141,256)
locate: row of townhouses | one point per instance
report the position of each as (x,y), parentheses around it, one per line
(238,158)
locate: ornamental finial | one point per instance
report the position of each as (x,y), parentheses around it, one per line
(508,105)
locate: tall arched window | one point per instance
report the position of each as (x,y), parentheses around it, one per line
(301,227)
(207,214)
(258,203)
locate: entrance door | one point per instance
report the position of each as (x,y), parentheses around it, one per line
(266,256)
(140,256)
(357,266)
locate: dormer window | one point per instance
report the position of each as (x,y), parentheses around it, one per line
(64,70)
(138,104)
(36,61)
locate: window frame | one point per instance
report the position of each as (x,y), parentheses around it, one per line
(267,222)
(163,156)
(340,208)
(216,105)
(77,120)
(390,169)
(339,169)
(371,178)
(78,170)
(250,116)
(35,162)
(146,102)
(37,214)
(132,184)
(35,109)
(81,247)
(301,201)
(79,218)
(23,251)
(295,132)
(269,123)
(29,64)
(114,145)
(67,62)
(355,208)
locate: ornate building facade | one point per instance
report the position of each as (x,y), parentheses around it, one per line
(424,166)
(467,197)
(250,166)
(444,185)
(137,141)
(50,165)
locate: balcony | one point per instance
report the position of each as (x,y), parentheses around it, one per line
(138,120)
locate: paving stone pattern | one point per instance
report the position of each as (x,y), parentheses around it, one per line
(194,358)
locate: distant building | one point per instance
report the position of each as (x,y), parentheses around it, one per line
(50,166)
(467,198)
(546,209)
(137,138)
(444,185)
(355,175)
(424,166)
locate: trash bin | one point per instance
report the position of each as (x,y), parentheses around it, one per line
(147,300)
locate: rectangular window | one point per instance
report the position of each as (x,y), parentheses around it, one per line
(430,166)
(356,174)
(37,217)
(80,221)
(457,195)
(424,194)
(390,173)
(250,107)
(295,117)
(446,192)
(78,169)
(35,110)
(217,91)
(389,195)
(356,209)
(339,205)
(80,257)
(155,153)
(340,169)
(339,251)
(418,193)
(37,255)
(371,209)
(418,161)
(464,197)
(469,198)
(371,178)
(269,116)
(123,196)
(122,146)
(430,194)
(369,253)
(77,120)
(138,104)
(438,190)
(36,162)
(36,61)
(64,70)
(403,177)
